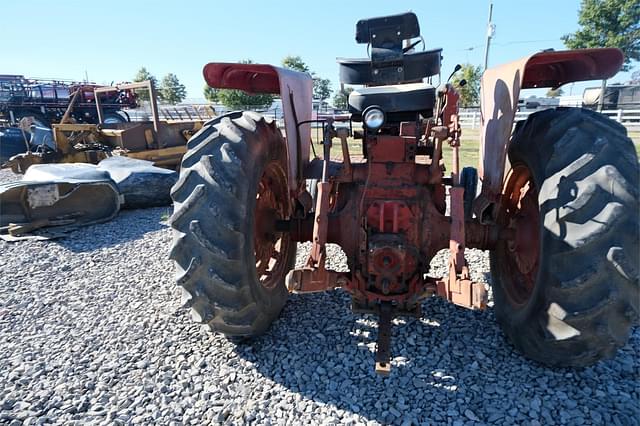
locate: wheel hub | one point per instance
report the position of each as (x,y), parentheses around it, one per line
(271,247)
(523,217)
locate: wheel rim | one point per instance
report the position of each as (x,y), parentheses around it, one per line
(271,247)
(523,248)
(113,120)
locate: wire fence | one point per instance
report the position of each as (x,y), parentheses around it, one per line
(468,118)
(630,118)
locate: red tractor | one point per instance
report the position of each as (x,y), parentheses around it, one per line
(560,217)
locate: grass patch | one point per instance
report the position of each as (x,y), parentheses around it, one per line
(469,150)
(635,137)
(469,146)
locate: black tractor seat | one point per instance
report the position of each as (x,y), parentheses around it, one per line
(412,67)
(409,98)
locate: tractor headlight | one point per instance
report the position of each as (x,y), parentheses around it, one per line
(373,117)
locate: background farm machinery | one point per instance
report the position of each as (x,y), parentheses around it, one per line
(162,142)
(46,101)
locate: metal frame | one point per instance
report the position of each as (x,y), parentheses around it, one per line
(162,143)
(388,215)
(147,84)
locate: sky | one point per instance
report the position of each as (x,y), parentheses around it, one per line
(111,40)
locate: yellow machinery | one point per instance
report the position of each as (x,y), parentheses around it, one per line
(161,142)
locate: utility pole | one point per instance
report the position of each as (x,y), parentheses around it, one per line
(491,29)
(603,91)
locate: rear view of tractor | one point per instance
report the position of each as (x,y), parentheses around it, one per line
(560,219)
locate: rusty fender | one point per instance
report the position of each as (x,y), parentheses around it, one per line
(500,90)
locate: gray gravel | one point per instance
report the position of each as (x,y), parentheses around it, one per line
(8,176)
(91,330)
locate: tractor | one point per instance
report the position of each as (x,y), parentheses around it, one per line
(554,199)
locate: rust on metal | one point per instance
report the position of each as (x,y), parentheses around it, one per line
(271,247)
(520,213)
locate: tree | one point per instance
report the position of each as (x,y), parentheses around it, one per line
(143,75)
(295,63)
(554,93)
(211,94)
(340,100)
(171,90)
(608,23)
(470,92)
(321,88)
(238,99)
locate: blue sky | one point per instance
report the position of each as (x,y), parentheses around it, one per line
(111,40)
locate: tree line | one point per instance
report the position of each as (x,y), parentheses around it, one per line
(170,89)
(236,99)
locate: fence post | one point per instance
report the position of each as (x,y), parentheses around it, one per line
(473,121)
(619,116)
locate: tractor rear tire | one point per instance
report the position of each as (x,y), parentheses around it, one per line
(233,173)
(566,287)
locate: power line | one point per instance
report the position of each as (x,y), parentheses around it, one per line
(468,49)
(527,41)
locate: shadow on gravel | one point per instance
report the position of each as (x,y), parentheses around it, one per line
(129,225)
(450,364)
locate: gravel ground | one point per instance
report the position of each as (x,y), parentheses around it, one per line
(91,331)
(8,176)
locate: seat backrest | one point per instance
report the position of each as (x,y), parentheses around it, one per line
(388,30)
(388,64)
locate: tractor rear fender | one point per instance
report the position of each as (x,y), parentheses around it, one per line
(295,90)
(500,90)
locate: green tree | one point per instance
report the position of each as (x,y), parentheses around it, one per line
(470,92)
(171,90)
(238,99)
(341,98)
(211,93)
(608,23)
(143,75)
(554,93)
(295,63)
(321,88)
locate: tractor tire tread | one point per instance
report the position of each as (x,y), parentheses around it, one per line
(586,171)
(209,230)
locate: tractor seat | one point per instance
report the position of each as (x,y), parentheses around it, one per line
(412,67)
(399,98)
